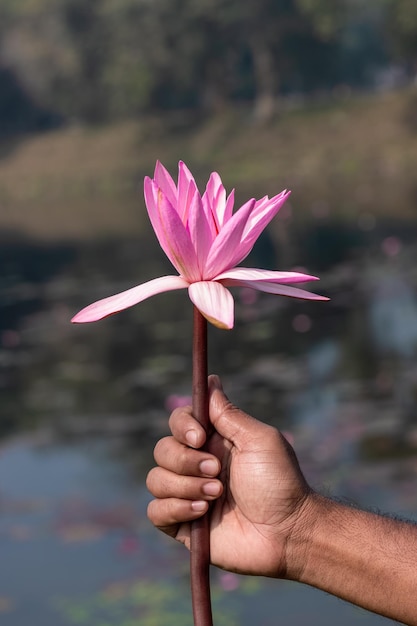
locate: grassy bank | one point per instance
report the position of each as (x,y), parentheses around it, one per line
(356,157)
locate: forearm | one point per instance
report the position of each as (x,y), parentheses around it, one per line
(367,559)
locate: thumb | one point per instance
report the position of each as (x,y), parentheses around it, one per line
(229,421)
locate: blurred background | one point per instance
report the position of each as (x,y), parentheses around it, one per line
(319,96)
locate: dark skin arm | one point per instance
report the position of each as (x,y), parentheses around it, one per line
(266,520)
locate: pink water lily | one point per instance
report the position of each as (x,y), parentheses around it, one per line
(205,241)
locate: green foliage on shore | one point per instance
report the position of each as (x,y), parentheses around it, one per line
(346,158)
(110,59)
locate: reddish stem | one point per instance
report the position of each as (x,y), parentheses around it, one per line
(200,532)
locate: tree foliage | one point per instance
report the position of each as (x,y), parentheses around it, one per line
(401,24)
(102,59)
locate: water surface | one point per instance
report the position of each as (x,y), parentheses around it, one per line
(77,549)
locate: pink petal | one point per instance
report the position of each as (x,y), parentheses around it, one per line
(214,302)
(165,182)
(228,211)
(151,189)
(211,218)
(259,218)
(171,232)
(208,200)
(215,201)
(178,239)
(126,299)
(184,171)
(213,185)
(264,211)
(226,251)
(199,230)
(186,190)
(247,274)
(219,201)
(279,290)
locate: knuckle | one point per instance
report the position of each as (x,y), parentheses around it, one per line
(178,414)
(172,455)
(160,448)
(273,436)
(151,513)
(272,432)
(162,518)
(174,416)
(183,461)
(229,407)
(150,479)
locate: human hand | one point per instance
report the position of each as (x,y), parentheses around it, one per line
(249,473)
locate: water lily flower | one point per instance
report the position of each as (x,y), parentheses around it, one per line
(205,242)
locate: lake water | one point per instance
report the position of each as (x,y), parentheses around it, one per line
(82,407)
(77,549)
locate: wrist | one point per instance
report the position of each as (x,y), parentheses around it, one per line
(301,539)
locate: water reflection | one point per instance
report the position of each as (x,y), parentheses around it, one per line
(78,550)
(392,313)
(340,378)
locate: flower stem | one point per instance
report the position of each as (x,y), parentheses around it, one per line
(200,532)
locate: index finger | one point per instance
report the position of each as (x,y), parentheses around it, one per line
(185,428)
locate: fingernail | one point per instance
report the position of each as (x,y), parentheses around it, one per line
(211,489)
(191,438)
(215,382)
(198,506)
(209,467)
